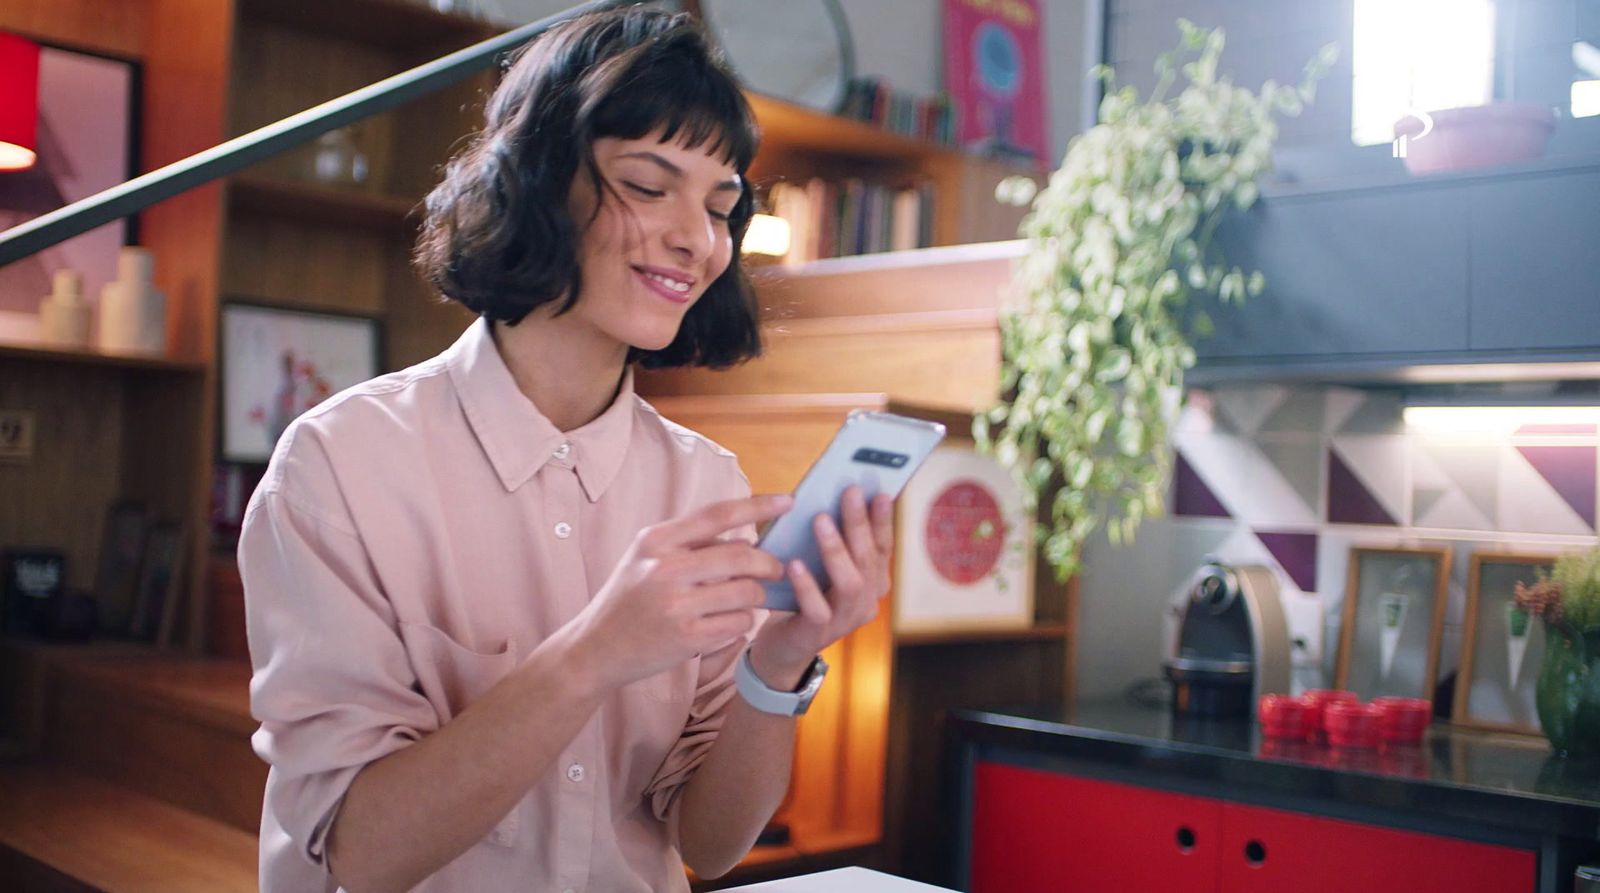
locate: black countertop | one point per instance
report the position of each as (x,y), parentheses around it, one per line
(1454,776)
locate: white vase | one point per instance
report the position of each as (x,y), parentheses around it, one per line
(64,314)
(133,312)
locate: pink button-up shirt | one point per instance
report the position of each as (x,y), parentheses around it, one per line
(415,537)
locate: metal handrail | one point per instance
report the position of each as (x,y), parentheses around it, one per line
(258,145)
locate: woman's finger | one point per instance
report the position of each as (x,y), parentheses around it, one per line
(836,558)
(858,527)
(813,604)
(728,595)
(883,523)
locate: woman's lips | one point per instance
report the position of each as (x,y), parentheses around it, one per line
(663,289)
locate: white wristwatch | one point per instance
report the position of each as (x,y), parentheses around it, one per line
(770,700)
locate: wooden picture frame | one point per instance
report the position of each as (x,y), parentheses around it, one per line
(116,579)
(1486,646)
(160,583)
(1382,588)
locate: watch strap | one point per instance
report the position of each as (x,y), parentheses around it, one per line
(770,700)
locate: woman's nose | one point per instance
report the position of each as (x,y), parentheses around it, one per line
(690,234)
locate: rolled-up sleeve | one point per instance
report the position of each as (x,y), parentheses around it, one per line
(714,689)
(333,688)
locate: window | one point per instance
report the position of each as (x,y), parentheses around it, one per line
(1418,55)
(1586,89)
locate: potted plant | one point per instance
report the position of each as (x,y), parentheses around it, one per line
(1096,339)
(1567,699)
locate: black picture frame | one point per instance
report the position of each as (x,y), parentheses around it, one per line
(159,587)
(74,165)
(117,575)
(34,581)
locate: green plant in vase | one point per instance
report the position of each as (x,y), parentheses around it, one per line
(1095,340)
(1567,601)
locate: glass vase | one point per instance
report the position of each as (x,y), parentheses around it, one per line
(1568,697)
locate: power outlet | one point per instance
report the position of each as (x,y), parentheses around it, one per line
(16,436)
(1303,611)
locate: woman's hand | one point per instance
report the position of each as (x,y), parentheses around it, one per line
(679,591)
(857,560)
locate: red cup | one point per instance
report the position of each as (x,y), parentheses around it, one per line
(1281,716)
(1403,720)
(1317,700)
(1351,724)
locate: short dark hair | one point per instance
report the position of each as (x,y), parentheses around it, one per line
(498,236)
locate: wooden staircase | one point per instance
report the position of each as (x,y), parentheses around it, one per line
(126,770)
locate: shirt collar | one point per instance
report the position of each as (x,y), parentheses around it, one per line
(516,436)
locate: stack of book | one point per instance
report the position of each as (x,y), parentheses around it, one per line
(930,118)
(830,218)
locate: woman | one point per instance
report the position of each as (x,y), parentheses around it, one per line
(497,603)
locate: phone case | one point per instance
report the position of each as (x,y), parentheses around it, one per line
(877,451)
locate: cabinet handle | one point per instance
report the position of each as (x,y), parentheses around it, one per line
(1186,839)
(1255,852)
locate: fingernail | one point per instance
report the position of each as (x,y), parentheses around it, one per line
(798,568)
(782,501)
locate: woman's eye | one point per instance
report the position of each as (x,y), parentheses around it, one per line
(723,216)
(645,191)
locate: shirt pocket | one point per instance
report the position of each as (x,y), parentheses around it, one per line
(452,676)
(674,686)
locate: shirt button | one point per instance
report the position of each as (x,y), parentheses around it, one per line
(563,530)
(568,890)
(575,772)
(563,451)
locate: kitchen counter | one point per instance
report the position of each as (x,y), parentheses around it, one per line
(1477,786)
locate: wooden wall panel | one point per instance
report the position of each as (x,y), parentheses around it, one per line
(305,70)
(963,277)
(59,499)
(417,323)
(114,28)
(948,359)
(318,268)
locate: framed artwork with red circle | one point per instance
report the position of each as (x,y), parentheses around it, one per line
(964,557)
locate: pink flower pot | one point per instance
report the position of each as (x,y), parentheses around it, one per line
(1475,137)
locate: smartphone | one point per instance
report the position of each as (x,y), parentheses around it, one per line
(877,451)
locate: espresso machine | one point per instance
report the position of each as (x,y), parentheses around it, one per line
(1232,645)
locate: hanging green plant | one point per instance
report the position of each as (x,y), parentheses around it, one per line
(1095,341)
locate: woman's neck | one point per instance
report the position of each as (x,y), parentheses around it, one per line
(569,371)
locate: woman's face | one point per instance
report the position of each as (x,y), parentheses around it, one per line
(658,242)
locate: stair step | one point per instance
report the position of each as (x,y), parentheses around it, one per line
(168,725)
(110,838)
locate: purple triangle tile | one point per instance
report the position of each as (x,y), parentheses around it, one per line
(1570,470)
(1296,554)
(1190,495)
(1349,500)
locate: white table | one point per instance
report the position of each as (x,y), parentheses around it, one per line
(841,880)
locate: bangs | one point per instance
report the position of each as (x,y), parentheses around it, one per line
(694,106)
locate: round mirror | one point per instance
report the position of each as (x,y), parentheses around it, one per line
(795,50)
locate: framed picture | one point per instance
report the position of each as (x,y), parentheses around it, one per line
(34,579)
(86,141)
(160,580)
(277,363)
(1393,614)
(117,577)
(963,556)
(1502,647)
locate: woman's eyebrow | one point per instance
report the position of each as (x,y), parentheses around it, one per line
(732,184)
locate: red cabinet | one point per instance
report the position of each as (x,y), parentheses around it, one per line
(1273,850)
(1041,831)
(1054,833)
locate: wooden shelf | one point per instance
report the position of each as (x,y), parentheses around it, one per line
(46,353)
(390,24)
(1041,632)
(793,128)
(321,205)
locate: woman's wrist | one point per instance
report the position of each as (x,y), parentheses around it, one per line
(580,663)
(778,672)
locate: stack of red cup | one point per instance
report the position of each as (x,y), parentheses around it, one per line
(1343,719)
